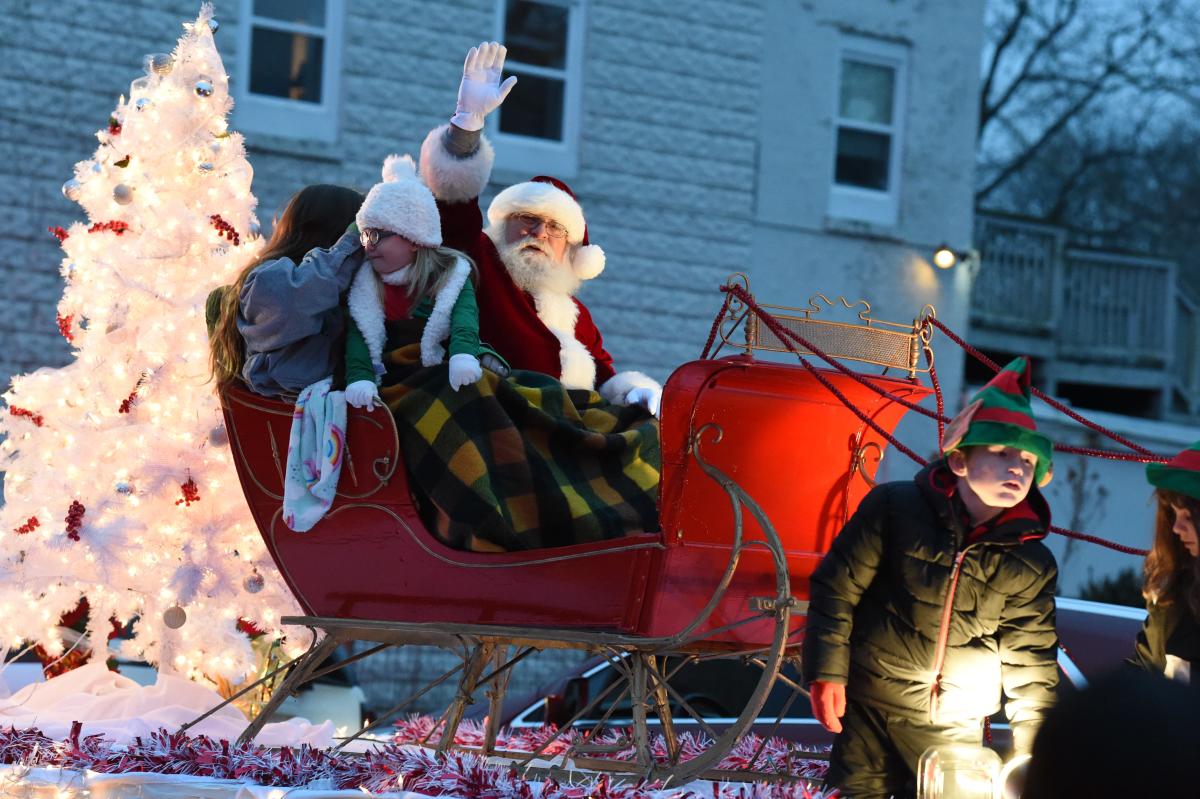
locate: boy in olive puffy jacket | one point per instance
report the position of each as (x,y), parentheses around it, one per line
(937,596)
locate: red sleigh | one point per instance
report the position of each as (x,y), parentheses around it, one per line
(762,462)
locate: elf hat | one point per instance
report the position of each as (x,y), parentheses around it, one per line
(1001,414)
(550,198)
(402,204)
(1181,474)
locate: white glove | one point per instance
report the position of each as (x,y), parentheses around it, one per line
(362,394)
(481,91)
(493,364)
(648,398)
(464,369)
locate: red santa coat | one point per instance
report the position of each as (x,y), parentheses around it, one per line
(553,334)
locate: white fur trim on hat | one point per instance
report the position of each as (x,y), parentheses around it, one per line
(543,200)
(616,387)
(587,262)
(559,313)
(402,204)
(453,179)
(437,328)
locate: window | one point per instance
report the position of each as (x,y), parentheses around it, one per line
(287,83)
(868,130)
(537,128)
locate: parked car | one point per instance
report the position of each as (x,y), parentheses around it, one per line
(1094,637)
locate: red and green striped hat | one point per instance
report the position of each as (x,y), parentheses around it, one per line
(1181,474)
(1001,414)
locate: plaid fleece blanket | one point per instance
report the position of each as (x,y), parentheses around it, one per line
(520,462)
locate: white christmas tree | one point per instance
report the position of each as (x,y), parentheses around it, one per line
(119,482)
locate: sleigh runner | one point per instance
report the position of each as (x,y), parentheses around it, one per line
(746,515)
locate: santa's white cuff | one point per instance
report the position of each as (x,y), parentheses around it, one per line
(616,387)
(451,178)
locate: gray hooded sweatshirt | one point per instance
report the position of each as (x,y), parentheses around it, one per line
(292,318)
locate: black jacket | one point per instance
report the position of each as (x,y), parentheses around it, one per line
(886,607)
(1169,630)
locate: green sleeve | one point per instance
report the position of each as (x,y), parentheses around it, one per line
(464,323)
(358,356)
(212,307)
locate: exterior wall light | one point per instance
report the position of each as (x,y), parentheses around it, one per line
(944,257)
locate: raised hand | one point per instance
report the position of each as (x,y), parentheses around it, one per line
(481,91)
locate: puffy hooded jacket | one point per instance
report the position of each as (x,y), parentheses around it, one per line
(921,616)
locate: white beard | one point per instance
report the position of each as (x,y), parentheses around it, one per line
(536,271)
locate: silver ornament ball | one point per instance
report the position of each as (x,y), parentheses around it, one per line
(123,487)
(72,189)
(255,230)
(204,88)
(160,63)
(96,168)
(254,583)
(122,194)
(213,25)
(141,103)
(204,167)
(218,436)
(174,617)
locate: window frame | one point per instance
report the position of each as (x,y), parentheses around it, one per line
(856,202)
(530,153)
(278,116)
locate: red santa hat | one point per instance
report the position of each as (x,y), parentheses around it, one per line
(550,198)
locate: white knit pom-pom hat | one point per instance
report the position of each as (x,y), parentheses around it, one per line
(550,198)
(402,204)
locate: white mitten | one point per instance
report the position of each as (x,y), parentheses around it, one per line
(481,91)
(362,394)
(648,398)
(464,369)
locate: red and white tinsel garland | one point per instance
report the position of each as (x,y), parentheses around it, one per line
(383,769)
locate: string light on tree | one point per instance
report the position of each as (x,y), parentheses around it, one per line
(118,486)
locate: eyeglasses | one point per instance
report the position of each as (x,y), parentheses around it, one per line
(373,235)
(528,223)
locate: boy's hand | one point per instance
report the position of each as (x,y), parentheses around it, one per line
(828,704)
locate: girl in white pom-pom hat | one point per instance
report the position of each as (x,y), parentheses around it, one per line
(412,299)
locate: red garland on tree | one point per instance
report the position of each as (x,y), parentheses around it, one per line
(115,225)
(191,492)
(225,229)
(128,403)
(74,519)
(36,418)
(64,326)
(59,233)
(28,527)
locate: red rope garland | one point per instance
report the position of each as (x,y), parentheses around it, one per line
(1053,403)
(783,334)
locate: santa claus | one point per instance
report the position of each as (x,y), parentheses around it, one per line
(533,254)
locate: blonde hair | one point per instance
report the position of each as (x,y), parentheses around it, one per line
(430,269)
